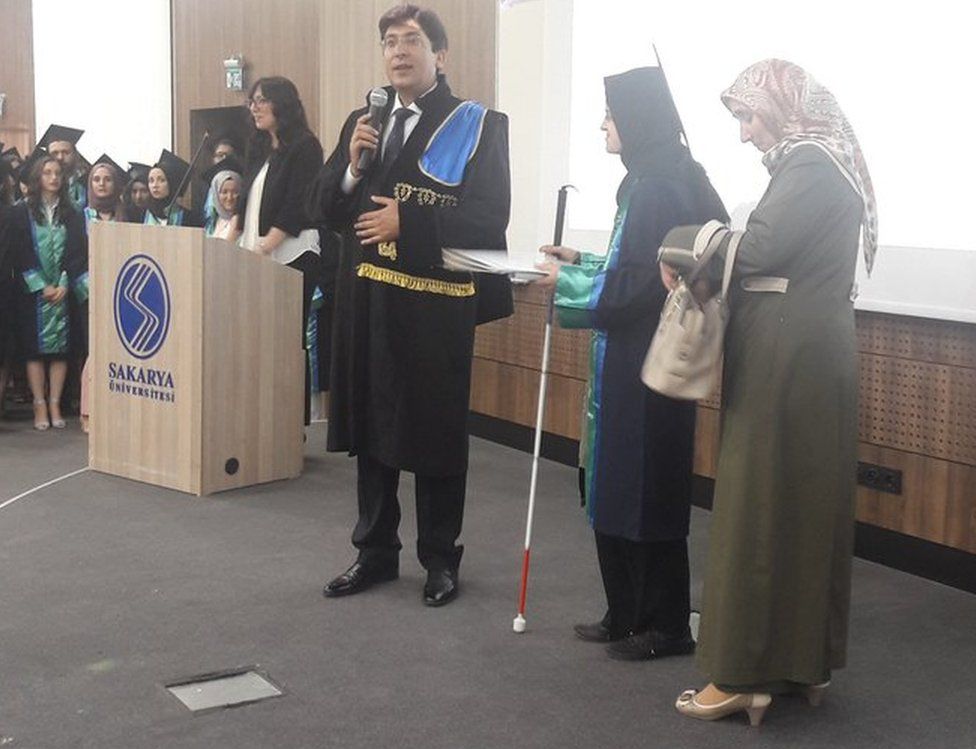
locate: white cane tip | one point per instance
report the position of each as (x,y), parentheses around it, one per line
(519,624)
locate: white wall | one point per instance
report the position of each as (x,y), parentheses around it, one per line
(104,66)
(900,80)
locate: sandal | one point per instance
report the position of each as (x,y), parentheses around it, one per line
(57,423)
(41,421)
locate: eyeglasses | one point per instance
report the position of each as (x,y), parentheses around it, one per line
(390,42)
(257,101)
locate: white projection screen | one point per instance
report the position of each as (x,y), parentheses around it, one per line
(901,72)
(104,66)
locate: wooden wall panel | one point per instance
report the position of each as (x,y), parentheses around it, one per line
(917,409)
(511,393)
(937,503)
(17,74)
(275,39)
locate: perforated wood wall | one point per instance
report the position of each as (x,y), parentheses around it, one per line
(917,410)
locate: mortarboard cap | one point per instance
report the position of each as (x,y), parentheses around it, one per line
(106,159)
(139,172)
(57,133)
(229,164)
(11,156)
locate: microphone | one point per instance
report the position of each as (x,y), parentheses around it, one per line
(377,103)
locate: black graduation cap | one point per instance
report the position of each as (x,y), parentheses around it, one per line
(11,156)
(23,172)
(57,133)
(175,169)
(139,172)
(229,164)
(106,159)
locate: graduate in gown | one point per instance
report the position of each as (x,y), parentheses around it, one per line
(135,197)
(404,327)
(47,236)
(62,143)
(8,290)
(165,178)
(220,207)
(638,445)
(106,182)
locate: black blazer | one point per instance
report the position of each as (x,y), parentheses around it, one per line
(291,171)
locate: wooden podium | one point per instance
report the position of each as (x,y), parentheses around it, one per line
(196,360)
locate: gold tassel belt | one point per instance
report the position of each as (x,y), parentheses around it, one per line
(415,283)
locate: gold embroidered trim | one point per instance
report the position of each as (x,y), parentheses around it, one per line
(414,283)
(403,192)
(388,249)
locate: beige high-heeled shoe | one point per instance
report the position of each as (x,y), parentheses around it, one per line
(41,420)
(57,423)
(755,706)
(815,693)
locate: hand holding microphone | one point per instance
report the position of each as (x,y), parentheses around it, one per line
(366,137)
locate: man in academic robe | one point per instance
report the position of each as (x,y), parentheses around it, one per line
(404,328)
(62,143)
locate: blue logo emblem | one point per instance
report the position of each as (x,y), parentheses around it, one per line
(142,306)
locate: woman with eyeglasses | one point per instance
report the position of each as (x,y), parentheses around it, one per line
(283,159)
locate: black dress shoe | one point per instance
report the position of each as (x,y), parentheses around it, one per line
(441,587)
(651,644)
(358,578)
(596,632)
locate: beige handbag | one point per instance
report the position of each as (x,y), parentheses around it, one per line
(686,352)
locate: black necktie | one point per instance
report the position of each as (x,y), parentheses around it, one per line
(395,144)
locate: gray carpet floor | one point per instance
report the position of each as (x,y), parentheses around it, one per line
(111,589)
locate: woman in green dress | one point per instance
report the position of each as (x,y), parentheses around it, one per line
(51,254)
(777,584)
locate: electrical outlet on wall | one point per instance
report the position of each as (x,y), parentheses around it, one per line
(879,478)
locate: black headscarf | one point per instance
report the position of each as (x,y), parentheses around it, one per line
(648,125)
(175,170)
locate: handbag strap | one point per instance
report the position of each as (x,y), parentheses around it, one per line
(707,241)
(730,254)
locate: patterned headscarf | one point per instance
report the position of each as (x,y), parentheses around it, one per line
(799,110)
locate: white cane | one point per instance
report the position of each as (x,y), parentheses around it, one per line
(519,623)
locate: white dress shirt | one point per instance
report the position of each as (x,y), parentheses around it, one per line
(349,182)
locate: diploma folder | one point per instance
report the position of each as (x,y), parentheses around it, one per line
(490,261)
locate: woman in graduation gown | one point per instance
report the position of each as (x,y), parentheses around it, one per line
(777,585)
(638,445)
(48,238)
(106,183)
(135,197)
(165,177)
(221,212)
(8,283)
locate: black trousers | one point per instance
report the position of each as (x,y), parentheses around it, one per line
(440,511)
(647,585)
(308,264)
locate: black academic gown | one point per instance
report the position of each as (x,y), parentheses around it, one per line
(8,288)
(404,326)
